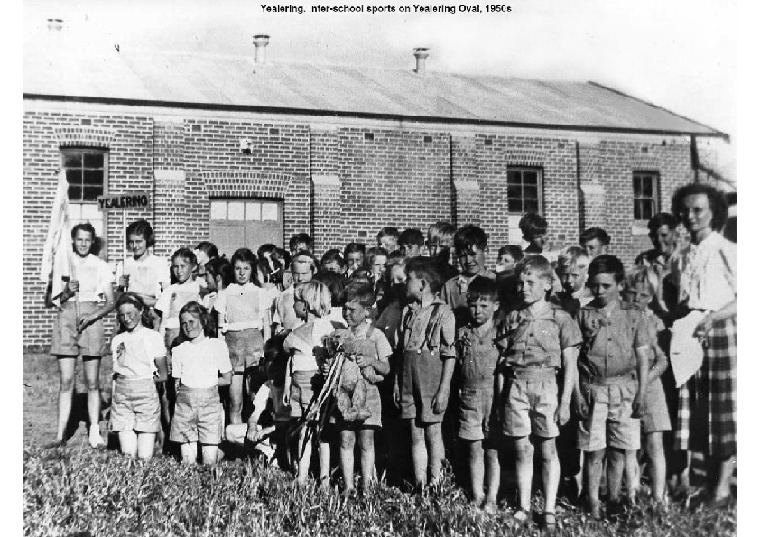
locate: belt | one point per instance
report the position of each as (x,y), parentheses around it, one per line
(531,372)
(612,379)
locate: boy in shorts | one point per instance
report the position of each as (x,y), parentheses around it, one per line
(612,381)
(541,339)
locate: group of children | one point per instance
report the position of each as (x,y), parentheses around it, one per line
(551,345)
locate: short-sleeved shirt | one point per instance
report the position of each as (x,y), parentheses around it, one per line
(707,273)
(94,277)
(172,300)
(478,352)
(284,314)
(454,293)
(242,306)
(382,349)
(134,353)
(611,336)
(147,275)
(419,330)
(572,302)
(302,341)
(198,364)
(538,339)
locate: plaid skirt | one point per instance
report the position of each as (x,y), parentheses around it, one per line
(707,401)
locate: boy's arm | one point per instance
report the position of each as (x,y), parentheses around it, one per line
(569,381)
(660,364)
(259,404)
(288,382)
(448,335)
(163,370)
(639,402)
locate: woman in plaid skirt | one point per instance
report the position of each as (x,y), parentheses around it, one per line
(706,272)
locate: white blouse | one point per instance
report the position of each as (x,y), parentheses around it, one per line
(707,273)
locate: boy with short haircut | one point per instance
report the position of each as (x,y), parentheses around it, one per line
(410,242)
(387,238)
(470,245)
(354,254)
(440,238)
(300,242)
(427,334)
(477,355)
(541,339)
(507,259)
(572,270)
(302,269)
(612,380)
(596,241)
(332,261)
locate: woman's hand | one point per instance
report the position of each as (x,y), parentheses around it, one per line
(704,326)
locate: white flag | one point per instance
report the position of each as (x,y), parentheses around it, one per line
(56,254)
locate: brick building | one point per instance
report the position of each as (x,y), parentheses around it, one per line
(246,152)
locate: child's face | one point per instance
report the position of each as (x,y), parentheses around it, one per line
(537,242)
(378,266)
(354,313)
(605,289)
(211,284)
(300,246)
(191,325)
(333,266)
(182,269)
(301,272)
(595,248)
(299,306)
(472,260)
(638,295)
(533,287)
(243,271)
(397,275)
(129,316)
(481,310)
(573,277)
(505,263)
(82,243)
(437,245)
(410,250)
(137,245)
(663,239)
(389,242)
(415,287)
(354,260)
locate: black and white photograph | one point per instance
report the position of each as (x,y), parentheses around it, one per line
(363,267)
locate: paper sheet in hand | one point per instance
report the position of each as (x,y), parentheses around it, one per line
(686,352)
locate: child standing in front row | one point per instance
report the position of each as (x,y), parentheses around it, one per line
(245,321)
(613,376)
(139,362)
(640,289)
(427,335)
(303,381)
(200,364)
(541,339)
(478,354)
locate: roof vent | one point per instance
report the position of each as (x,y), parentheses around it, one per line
(260,41)
(55,25)
(420,54)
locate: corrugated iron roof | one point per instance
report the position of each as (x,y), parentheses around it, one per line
(208,81)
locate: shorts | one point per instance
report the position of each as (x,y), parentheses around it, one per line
(135,407)
(656,417)
(66,339)
(246,348)
(304,387)
(531,402)
(198,416)
(420,380)
(475,407)
(609,422)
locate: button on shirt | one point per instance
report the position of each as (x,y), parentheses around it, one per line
(478,353)
(242,306)
(418,332)
(610,337)
(537,340)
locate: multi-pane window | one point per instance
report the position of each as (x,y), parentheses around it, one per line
(524,190)
(86,171)
(251,211)
(645,195)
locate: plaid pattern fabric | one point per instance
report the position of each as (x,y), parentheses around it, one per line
(707,402)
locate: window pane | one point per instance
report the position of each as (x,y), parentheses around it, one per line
(530,206)
(514,206)
(636,186)
(269,211)
(253,211)
(75,192)
(72,160)
(236,210)
(648,186)
(514,192)
(638,210)
(74,177)
(648,209)
(91,193)
(93,160)
(530,192)
(513,176)
(218,210)
(93,177)
(530,178)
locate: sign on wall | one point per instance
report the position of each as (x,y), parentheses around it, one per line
(125,201)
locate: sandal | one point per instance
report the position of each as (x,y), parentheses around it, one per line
(549,521)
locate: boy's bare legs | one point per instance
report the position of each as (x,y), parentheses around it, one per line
(722,470)
(92,378)
(303,456)
(477,470)
(145,445)
(209,454)
(617,462)
(656,455)
(550,472)
(128,443)
(324,464)
(631,474)
(434,440)
(493,478)
(367,457)
(236,397)
(189,452)
(419,453)
(524,469)
(66,371)
(593,469)
(347,444)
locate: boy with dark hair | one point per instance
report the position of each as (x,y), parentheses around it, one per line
(410,242)
(300,242)
(387,238)
(613,377)
(595,240)
(354,254)
(332,261)
(533,227)
(439,241)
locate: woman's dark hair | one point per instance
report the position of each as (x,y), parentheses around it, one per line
(143,228)
(594,233)
(716,199)
(532,225)
(194,308)
(607,264)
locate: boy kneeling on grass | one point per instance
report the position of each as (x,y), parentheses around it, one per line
(613,375)
(540,340)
